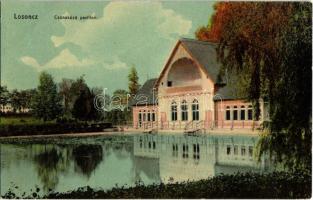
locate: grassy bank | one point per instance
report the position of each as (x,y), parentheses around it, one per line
(274,185)
(21,126)
(20,120)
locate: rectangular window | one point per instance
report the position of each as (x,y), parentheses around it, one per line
(174,116)
(235,114)
(195,115)
(184,111)
(195,111)
(149,117)
(153,116)
(169,83)
(140,119)
(227,114)
(174,112)
(184,116)
(250,113)
(242,115)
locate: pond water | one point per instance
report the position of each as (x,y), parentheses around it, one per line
(103,162)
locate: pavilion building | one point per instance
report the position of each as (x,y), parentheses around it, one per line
(190,93)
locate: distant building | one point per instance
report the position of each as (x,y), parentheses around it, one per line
(190,94)
(7,108)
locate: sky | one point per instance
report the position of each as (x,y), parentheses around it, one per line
(124,34)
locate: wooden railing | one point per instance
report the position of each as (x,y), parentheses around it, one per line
(190,125)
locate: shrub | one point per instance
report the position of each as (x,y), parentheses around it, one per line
(250,185)
(50,128)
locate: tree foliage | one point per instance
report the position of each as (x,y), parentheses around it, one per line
(46,104)
(119,112)
(270,42)
(133,84)
(83,107)
(16,100)
(65,91)
(4,95)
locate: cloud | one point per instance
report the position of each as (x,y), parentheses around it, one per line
(68,60)
(138,34)
(116,64)
(120,17)
(65,59)
(30,61)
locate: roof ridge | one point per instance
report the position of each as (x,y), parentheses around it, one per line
(198,41)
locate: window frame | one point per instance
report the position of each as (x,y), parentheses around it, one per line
(184,110)
(174,111)
(227,113)
(242,113)
(195,110)
(235,113)
(149,116)
(250,113)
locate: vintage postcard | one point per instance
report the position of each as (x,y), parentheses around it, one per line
(155,99)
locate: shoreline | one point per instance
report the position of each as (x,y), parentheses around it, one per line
(275,185)
(239,132)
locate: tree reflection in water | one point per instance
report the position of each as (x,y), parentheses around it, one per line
(87,157)
(50,162)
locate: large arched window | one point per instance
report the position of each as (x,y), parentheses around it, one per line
(195,110)
(184,111)
(235,113)
(174,111)
(227,116)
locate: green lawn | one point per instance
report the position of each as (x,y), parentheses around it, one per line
(21,120)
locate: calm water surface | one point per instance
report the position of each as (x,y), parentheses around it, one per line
(62,164)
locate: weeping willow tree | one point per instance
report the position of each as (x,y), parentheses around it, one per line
(269,44)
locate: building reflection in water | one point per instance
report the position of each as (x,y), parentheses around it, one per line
(183,158)
(125,160)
